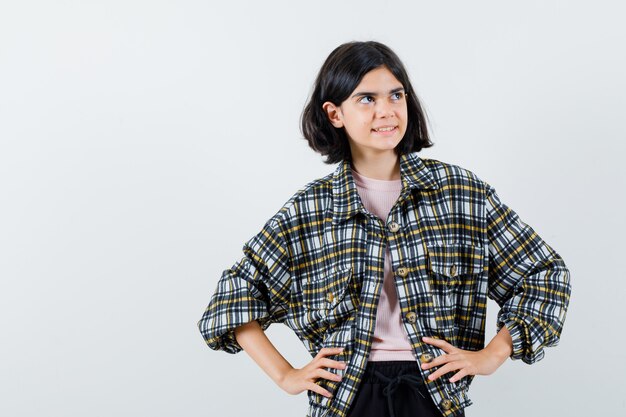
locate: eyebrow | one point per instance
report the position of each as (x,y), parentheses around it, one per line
(365,93)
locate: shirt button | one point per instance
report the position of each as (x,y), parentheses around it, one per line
(453,270)
(411,316)
(402,271)
(426,357)
(446,404)
(330,297)
(394,227)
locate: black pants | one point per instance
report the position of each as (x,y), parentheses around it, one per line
(382,387)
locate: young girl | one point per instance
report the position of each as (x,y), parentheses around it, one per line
(383,267)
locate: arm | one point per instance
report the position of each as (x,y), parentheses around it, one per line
(527,279)
(530,283)
(254,293)
(501,346)
(293,380)
(255,342)
(257,287)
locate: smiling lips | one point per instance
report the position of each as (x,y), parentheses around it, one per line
(385,130)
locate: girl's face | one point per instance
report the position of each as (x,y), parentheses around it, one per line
(377,102)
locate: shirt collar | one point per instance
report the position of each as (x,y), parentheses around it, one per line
(346,201)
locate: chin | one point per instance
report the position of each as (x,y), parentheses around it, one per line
(387,143)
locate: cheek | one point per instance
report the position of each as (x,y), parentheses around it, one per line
(404,119)
(359,124)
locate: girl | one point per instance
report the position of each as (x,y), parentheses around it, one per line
(383,267)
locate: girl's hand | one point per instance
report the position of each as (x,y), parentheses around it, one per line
(297,380)
(482,362)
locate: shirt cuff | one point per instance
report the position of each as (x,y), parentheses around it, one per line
(517,335)
(227,340)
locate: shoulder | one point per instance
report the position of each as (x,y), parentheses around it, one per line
(453,175)
(308,201)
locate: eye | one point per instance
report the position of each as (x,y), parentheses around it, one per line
(399,95)
(361,100)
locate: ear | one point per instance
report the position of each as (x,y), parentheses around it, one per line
(334,114)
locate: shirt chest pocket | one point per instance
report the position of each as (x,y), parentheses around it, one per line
(454,263)
(455,272)
(332,295)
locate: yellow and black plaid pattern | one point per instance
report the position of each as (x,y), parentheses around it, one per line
(317,267)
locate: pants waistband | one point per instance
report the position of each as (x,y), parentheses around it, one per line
(390,369)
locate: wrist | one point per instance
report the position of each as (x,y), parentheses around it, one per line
(282,375)
(501,352)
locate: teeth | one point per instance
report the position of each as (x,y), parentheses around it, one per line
(385,129)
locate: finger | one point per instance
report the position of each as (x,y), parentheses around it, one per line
(329,351)
(319,390)
(440,343)
(328,375)
(438,361)
(443,370)
(330,363)
(459,375)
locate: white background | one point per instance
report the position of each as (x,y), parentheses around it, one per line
(142,142)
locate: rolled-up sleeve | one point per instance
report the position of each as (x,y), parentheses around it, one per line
(528,279)
(257,287)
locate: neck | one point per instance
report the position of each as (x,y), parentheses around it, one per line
(380,167)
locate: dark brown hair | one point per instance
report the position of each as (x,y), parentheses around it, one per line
(338,77)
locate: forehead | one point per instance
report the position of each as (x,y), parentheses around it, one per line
(379,80)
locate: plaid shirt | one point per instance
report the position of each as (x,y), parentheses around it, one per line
(317,267)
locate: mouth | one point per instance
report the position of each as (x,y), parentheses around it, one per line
(389,130)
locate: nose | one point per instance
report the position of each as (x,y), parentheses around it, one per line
(384,108)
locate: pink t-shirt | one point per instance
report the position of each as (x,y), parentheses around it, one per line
(391,342)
